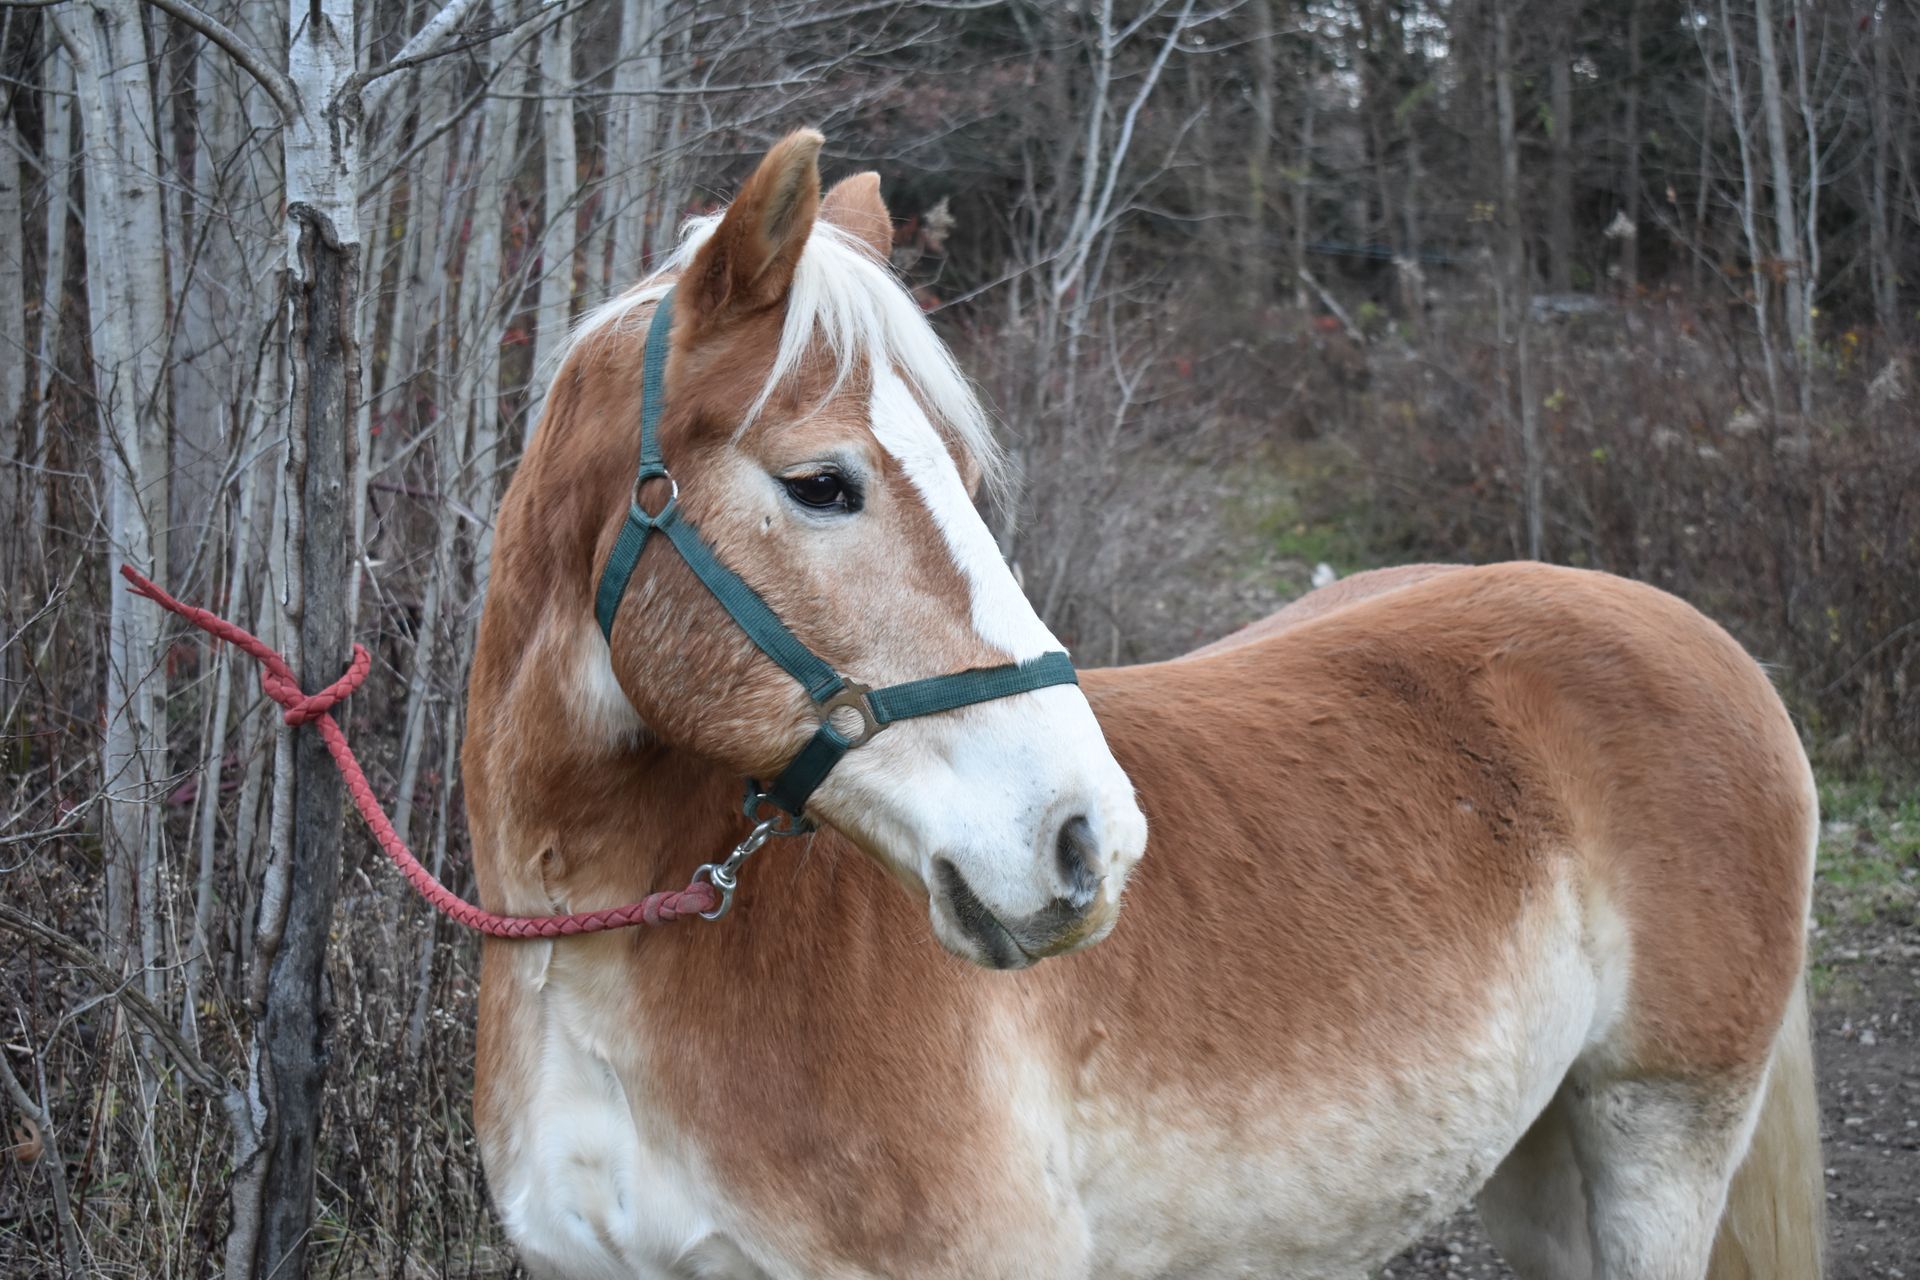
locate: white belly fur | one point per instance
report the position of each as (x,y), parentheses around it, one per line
(588,1188)
(1318,1187)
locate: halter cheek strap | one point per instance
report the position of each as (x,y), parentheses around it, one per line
(830,691)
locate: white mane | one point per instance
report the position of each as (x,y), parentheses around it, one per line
(855,305)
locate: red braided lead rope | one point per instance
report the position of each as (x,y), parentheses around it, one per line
(278,680)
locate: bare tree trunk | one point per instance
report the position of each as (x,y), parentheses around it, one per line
(56,151)
(423,960)
(1517,277)
(1560,176)
(558,235)
(1630,243)
(13,298)
(324,259)
(209,337)
(477,377)
(1302,187)
(423,279)
(637,141)
(127,298)
(1884,271)
(1786,224)
(1810,275)
(1259,273)
(1749,202)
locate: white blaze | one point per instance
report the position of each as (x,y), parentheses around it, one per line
(1002,615)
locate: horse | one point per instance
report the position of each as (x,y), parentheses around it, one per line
(1444,883)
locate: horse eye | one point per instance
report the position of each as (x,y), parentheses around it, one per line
(823,491)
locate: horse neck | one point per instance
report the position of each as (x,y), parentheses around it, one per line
(571,804)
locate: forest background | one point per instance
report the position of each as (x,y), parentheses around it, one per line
(1254,287)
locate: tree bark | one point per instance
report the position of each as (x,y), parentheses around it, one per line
(1518,287)
(1883,270)
(641,199)
(1560,177)
(57,155)
(553,296)
(1630,244)
(126,285)
(1259,281)
(293,1045)
(1792,266)
(1748,204)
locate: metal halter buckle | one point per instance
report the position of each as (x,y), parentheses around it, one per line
(853,697)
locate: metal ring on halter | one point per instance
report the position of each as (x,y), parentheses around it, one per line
(853,697)
(656,471)
(779,822)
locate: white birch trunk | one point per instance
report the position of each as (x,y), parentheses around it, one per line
(636,174)
(126,286)
(273,1193)
(13,295)
(1786,222)
(477,382)
(1749,203)
(1518,281)
(57,151)
(1810,277)
(552,309)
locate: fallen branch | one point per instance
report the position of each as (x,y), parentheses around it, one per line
(1339,312)
(149,1015)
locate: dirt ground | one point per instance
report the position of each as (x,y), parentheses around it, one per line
(1867,1046)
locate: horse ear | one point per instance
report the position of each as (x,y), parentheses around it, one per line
(854,205)
(749,261)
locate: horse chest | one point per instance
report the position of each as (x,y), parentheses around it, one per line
(585,1185)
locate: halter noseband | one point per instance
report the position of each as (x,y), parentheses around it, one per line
(830,691)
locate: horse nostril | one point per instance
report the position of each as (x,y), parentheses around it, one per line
(1074,852)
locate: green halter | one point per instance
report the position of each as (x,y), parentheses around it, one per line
(831,692)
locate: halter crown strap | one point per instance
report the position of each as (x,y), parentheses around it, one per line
(633,534)
(831,692)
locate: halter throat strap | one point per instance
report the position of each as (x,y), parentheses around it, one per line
(831,693)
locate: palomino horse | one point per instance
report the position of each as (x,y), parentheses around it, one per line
(1460,881)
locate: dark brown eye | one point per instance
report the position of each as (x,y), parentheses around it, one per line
(822,491)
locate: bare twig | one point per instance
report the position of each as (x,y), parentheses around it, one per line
(40,1116)
(150,1016)
(276,82)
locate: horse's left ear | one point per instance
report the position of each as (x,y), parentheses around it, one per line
(749,261)
(854,205)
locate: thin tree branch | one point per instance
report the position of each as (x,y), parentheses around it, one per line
(277,83)
(41,1117)
(143,1010)
(373,84)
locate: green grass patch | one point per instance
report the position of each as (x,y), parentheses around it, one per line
(1869,863)
(1288,517)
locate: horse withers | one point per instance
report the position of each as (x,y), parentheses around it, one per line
(1460,881)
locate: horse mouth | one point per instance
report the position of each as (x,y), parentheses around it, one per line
(998,948)
(1062,925)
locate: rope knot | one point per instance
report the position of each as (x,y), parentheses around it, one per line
(280,684)
(303,708)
